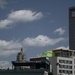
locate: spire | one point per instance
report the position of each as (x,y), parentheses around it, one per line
(21,49)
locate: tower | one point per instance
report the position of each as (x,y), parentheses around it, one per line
(21,56)
(72,28)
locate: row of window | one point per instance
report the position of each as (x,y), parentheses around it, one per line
(65,66)
(65,61)
(65,71)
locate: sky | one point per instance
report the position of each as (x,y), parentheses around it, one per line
(34,25)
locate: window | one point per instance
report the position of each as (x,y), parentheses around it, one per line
(70,67)
(61,61)
(60,71)
(70,62)
(66,66)
(63,66)
(65,71)
(74,54)
(65,54)
(65,61)
(70,72)
(57,54)
(60,66)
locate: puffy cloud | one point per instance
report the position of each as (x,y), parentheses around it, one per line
(25,15)
(5,64)
(8,48)
(5,23)
(9,44)
(60,31)
(41,41)
(3,4)
(7,53)
(62,47)
(20,16)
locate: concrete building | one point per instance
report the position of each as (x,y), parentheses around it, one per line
(62,61)
(72,28)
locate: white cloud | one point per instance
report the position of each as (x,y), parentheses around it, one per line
(60,31)
(20,16)
(5,64)
(3,4)
(5,23)
(7,53)
(41,41)
(62,47)
(25,15)
(9,44)
(8,48)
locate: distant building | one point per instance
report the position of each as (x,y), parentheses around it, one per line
(21,56)
(72,28)
(62,61)
(36,66)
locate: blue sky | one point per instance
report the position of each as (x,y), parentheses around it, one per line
(34,25)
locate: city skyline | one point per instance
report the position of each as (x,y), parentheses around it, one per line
(35,26)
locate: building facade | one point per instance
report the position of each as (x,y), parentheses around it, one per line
(72,28)
(62,61)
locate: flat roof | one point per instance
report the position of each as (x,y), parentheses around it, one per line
(62,50)
(29,63)
(73,7)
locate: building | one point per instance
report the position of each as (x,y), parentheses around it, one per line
(21,56)
(62,61)
(72,28)
(36,66)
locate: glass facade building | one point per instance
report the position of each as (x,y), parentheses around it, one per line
(72,28)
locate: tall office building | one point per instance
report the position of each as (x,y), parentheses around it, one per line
(72,28)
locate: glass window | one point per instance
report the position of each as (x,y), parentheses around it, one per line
(74,54)
(60,66)
(66,61)
(63,66)
(66,66)
(70,72)
(65,71)
(61,61)
(57,54)
(69,62)
(70,67)
(65,54)
(60,71)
